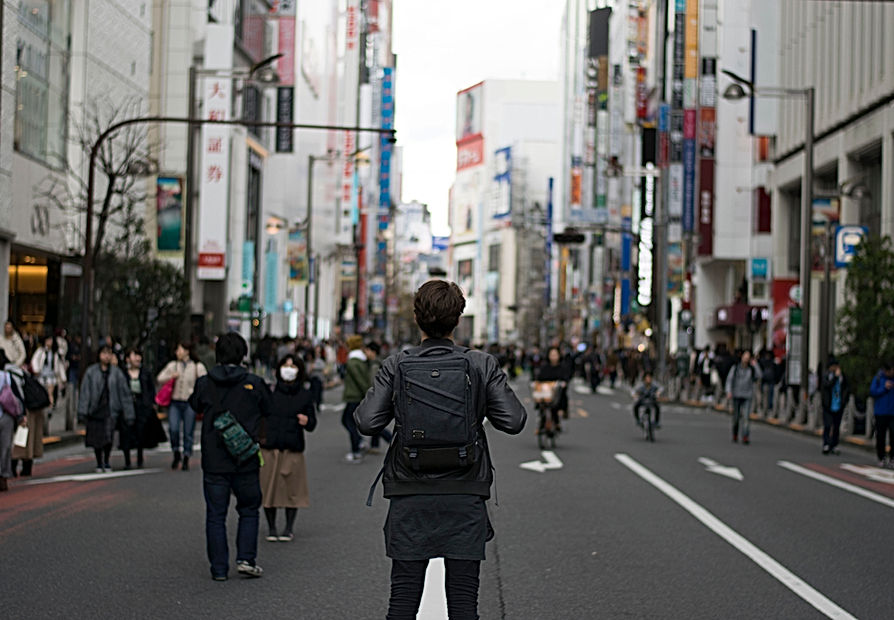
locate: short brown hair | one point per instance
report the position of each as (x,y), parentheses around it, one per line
(437,307)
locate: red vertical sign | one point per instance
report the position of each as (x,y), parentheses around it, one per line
(706,207)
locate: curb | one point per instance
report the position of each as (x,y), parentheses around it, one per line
(67,438)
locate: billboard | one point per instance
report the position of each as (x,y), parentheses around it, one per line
(470,153)
(215,170)
(469,113)
(169,213)
(503,179)
(296,253)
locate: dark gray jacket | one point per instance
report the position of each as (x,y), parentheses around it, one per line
(741,379)
(120,397)
(495,401)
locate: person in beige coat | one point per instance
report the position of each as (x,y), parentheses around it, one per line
(12,343)
(184,370)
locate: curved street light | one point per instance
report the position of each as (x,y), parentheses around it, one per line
(739,89)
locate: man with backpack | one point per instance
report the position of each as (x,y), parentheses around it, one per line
(437,472)
(230,454)
(740,382)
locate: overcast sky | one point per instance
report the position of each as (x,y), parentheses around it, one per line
(443,47)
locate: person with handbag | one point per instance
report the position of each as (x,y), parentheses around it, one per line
(11,418)
(184,371)
(284,472)
(104,398)
(231,397)
(147,431)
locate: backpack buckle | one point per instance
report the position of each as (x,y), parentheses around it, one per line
(417,434)
(463,456)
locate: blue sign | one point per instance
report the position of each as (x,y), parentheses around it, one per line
(760,268)
(847,238)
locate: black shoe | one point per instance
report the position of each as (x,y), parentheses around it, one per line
(826,449)
(185,463)
(176,460)
(835,451)
(219,577)
(127,467)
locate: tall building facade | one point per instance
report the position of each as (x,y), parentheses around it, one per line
(65,68)
(506,154)
(845,52)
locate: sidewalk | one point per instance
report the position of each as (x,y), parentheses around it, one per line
(791,425)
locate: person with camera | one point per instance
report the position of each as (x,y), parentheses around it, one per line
(230,390)
(437,472)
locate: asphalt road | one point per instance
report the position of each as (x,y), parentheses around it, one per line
(653,534)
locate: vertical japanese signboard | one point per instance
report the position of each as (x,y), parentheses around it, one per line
(707,126)
(215,168)
(348,104)
(690,100)
(385,147)
(284,11)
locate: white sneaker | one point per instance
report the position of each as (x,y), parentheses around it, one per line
(249,570)
(354,457)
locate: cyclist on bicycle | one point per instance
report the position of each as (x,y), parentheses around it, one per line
(647,392)
(555,370)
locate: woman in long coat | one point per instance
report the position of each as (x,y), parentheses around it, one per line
(104,397)
(284,473)
(147,431)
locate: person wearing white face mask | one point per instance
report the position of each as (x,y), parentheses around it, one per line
(284,473)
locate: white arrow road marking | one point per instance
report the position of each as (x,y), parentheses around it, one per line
(552,462)
(434,598)
(716,468)
(92,477)
(835,482)
(743,545)
(873,473)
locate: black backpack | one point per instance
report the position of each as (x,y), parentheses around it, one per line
(34,395)
(434,409)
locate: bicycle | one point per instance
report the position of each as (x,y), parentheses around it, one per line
(546,395)
(647,418)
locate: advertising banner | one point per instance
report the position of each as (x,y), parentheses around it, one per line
(675,191)
(271,281)
(688,185)
(469,109)
(296,252)
(385,146)
(284,110)
(215,148)
(503,179)
(706,207)
(675,269)
(169,213)
(470,153)
(348,107)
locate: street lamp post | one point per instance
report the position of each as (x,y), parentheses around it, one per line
(736,91)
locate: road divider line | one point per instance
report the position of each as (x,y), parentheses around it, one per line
(434,598)
(743,545)
(835,482)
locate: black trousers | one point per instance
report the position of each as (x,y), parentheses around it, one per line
(884,426)
(831,427)
(408,579)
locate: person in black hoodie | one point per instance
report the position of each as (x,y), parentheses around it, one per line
(284,472)
(146,430)
(441,514)
(835,392)
(230,387)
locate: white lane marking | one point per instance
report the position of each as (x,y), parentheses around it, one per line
(605,391)
(551,462)
(716,468)
(835,482)
(582,389)
(876,474)
(92,477)
(616,405)
(434,598)
(328,407)
(762,559)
